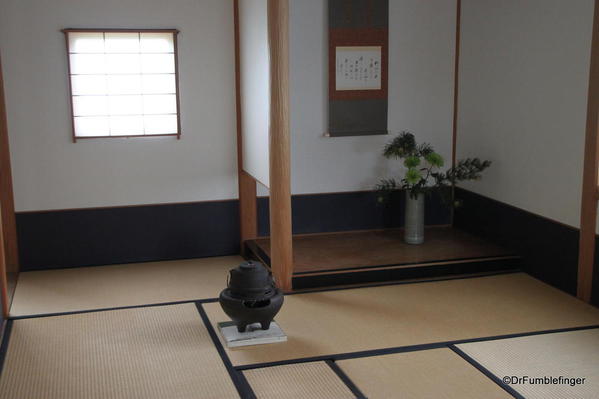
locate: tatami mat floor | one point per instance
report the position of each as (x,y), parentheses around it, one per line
(298,381)
(367,319)
(573,356)
(434,373)
(86,288)
(445,339)
(155,352)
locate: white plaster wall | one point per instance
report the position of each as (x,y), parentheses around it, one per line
(524,69)
(255,87)
(421,66)
(51,172)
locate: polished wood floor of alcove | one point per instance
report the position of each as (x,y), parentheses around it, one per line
(319,253)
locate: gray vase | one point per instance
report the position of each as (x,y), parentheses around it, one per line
(414,217)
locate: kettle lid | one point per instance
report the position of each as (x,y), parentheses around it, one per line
(250,265)
(250,279)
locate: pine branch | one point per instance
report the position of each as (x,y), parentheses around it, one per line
(401,146)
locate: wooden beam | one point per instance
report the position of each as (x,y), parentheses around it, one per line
(9,260)
(4,296)
(588,217)
(248,212)
(456,81)
(6,191)
(280,173)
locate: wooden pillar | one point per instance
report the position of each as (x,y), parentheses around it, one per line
(6,191)
(280,174)
(9,256)
(456,78)
(3,277)
(456,85)
(588,218)
(248,213)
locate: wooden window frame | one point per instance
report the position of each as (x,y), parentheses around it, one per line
(175,33)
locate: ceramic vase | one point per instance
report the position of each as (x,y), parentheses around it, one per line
(414,219)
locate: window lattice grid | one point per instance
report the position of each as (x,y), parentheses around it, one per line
(123,83)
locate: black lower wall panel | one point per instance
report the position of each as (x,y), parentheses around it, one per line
(101,236)
(549,249)
(87,237)
(317,213)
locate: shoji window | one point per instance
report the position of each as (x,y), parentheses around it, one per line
(123,83)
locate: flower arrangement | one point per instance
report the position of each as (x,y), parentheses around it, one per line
(424,165)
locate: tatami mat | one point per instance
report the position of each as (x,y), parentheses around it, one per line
(342,321)
(297,381)
(571,354)
(435,373)
(154,352)
(86,288)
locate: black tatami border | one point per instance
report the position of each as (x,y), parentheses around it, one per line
(236,372)
(345,379)
(151,305)
(305,291)
(331,359)
(409,348)
(243,387)
(5,342)
(486,372)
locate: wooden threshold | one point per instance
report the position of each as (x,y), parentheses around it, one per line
(333,259)
(407,281)
(407,265)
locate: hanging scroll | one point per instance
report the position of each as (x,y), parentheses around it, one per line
(357,68)
(358,59)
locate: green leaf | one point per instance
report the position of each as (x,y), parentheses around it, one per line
(467,169)
(413,176)
(412,162)
(435,159)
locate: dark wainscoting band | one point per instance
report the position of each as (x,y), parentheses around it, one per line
(359,210)
(549,249)
(102,236)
